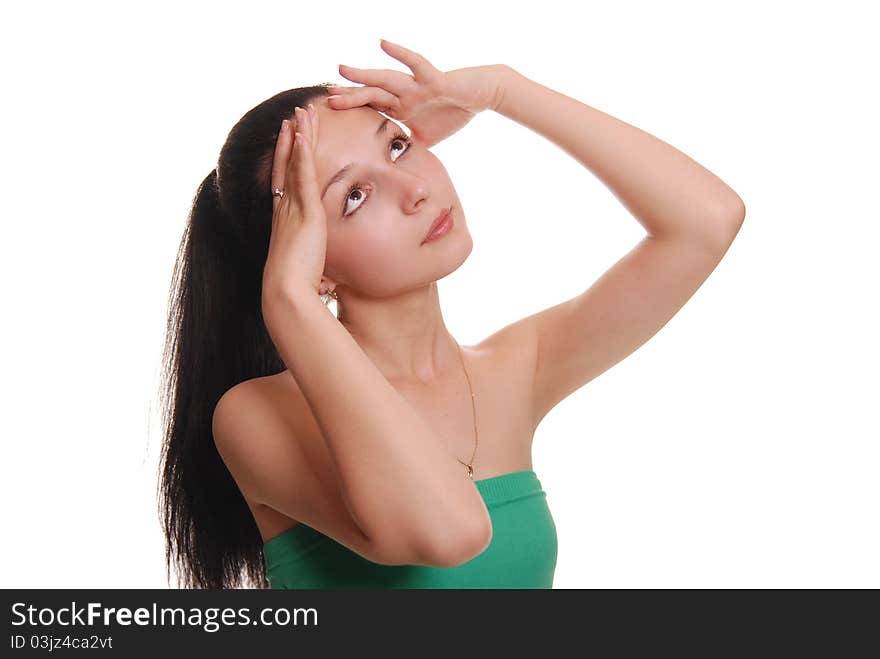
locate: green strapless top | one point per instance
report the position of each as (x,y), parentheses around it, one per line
(522,553)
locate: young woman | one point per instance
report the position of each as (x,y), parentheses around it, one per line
(370,449)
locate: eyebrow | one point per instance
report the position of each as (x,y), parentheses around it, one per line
(340,175)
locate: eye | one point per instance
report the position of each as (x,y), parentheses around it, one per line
(359,187)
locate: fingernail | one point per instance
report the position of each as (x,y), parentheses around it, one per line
(284,126)
(334,96)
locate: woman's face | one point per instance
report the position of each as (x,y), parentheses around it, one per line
(380,209)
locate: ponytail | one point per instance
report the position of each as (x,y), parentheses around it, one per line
(220,341)
(216,339)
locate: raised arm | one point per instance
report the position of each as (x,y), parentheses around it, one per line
(408,495)
(690,216)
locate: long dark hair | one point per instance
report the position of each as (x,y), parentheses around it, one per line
(215,338)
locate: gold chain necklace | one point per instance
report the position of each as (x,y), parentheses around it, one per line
(470,466)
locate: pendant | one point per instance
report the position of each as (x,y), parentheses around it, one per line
(470,472)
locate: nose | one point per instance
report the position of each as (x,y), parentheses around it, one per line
(415,192)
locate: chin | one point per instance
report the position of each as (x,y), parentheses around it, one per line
(461,245)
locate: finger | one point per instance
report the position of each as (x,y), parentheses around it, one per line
(313,122)
(294,166)
(280,161)
(307,181)
(376,97)
(396,82)
(419,65)
(333,92)
(307,119)
(302,178)
(338,89)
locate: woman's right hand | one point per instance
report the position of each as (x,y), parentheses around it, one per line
(298,244)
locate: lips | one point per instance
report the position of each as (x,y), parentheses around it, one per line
(437,221)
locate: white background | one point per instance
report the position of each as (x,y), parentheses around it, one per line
(737,448)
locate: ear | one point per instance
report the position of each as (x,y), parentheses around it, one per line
(326,286)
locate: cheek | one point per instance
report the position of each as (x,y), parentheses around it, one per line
(371,257)
(368,246)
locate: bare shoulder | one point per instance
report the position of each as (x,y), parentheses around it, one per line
(254,403)
(266,440)
(254,432)
(514,340)
(510,353)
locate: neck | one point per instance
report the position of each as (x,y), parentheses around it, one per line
(404,335)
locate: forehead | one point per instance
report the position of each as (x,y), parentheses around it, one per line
(343,133)
(344,136)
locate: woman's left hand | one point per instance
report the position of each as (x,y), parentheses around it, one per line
(433,104)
